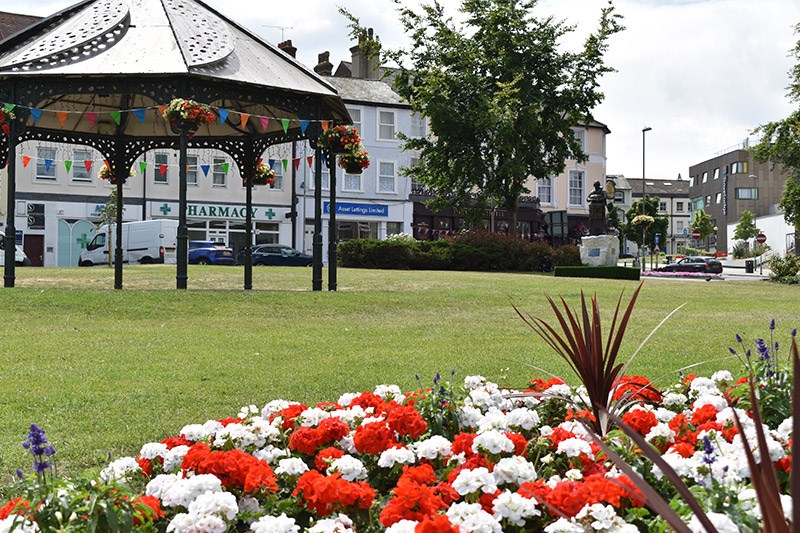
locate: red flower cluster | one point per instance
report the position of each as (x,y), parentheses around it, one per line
(146,507)
(19,506)
(234,468)
(374,438)
(569,497)
(414,497)
(308,439)
(5,117)
(326,494)
(636,388)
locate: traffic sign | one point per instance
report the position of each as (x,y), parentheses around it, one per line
(761,238)
(696,234)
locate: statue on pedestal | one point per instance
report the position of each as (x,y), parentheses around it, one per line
(597,200)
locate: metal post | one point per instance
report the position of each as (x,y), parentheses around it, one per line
(316,280)
(644,226)
(10,240)
(118,247)
(249,171)
(331,159)
(183,234)
(293,210)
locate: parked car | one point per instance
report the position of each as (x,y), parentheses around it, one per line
(210,253)
(20,259)
(277,255)
(694,264)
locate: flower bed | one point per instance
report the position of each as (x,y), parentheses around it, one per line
(446,458)
(691,275)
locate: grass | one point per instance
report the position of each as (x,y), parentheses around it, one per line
(105,371)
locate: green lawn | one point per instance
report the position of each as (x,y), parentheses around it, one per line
(105,371)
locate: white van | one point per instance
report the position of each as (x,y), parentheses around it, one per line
(20,259)
(145,242)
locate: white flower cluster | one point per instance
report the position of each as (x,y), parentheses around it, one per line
(120,470)
(176,491)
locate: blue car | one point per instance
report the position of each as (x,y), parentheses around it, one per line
(210,253)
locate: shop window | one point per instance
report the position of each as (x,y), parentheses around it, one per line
(394,228)
(45,163)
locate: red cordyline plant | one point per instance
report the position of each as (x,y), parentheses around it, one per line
(762,474)
(592,358)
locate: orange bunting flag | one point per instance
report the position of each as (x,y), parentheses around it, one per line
(161,110)
(62,117)
(325,125)
(162,169)
(105,161)
(260,160)
(25,160)
(296,162)
(310,160)
(245,117)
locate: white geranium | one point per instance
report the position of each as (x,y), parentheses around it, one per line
(469,416)
(721,522)
(271,454)
(472,481)
(573,447)
(218,503)
(120,470)
(514,470)
(432,448)
(474,382)
(471,517)
(151,450)
(719,402)
(660,431)
(181,492)
(492,442)
(514,508)
(563,525)
(351,468)
(403,526)
(312,416)
(701,386)
(495,419)
(394,456)
(275,524)
(192,523)
(674,399)
(292,466)
(275,406)
(18,525)
(339,524)
(347,398)
(523,418)
(352,416)
(722,376)
(387,393)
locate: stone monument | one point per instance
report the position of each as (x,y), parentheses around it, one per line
(599,248)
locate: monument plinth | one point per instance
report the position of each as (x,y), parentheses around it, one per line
(599,250)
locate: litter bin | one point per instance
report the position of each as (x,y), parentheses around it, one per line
(749,266)
(668,259)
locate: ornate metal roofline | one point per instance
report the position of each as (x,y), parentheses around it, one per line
(26,32)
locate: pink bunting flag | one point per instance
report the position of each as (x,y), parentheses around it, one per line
(265,123)
(91,117)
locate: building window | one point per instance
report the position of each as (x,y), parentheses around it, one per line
(691,181)
(45,163)
(278,183)
(679,226)
(679,207)
(161,168)
(355,114)
(268,233)
(662,206)
(326,179)
(352,182)
(716,173)
(718,198)
(708,200)
(218,174)
(544,189)
(705,177)
(619,198)
(386,125)
(580,135)
(576,187)
(347,230)
(191,170)
(418,126)
(750,193)
(79,172)
(394,228)
(386,177)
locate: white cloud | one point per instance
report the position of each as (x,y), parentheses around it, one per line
(701,73)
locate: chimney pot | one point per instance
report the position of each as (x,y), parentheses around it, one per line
(287,47)
(324,66)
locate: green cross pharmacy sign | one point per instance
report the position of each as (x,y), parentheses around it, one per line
(219,211)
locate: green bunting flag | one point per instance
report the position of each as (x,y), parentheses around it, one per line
(68,164)
(285,165)
(9,107)
(116,115)
(285,124)
(142,166)
(225,167)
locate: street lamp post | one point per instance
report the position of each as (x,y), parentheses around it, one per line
(644,189)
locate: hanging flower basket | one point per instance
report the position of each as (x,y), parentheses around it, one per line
(263,176)
(642,220)
(354,161)
(105,174)
(340,139)
(188,115)
(6,116)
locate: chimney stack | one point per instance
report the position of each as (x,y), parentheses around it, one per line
(324,66)
(363,67)
(287,47)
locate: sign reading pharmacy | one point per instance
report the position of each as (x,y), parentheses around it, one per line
(227,212)
(360,210)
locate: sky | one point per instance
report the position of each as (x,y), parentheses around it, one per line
(701,73)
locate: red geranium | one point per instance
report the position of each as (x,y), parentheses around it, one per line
(326,494)
(374,438)
(640,420)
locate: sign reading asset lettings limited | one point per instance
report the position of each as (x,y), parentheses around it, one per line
(360,210)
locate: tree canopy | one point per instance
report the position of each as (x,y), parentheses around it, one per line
(746,229)
(659,225)
(501,95)
(702,221)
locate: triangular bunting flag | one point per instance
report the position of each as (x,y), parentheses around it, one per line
(325,125)
(68,165)
(36,113)
(245,117)
(285,124)
(62,117)
(205,169)
(272,164)
(47,164)
(161,110)
(260,160)
(88,164)
(303,126)
(162,169)
(116,115)
(139,113)
(285,165)
(225,167)
(142,166)
(296,162)
(91,117)
(25,160)
(187,169)
(310,160)
(265,123)
(105,162)
(223,115)
(9,107)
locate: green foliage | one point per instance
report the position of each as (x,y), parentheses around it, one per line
(568,255)
(660,225)
(746,228)
(605,272)
(785,269)
(501,95)
(108,215)
(702,221)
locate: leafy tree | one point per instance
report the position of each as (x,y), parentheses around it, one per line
(108,215)
(780,143)
(500,94)
(633,232)
(746,229)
